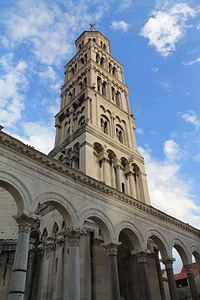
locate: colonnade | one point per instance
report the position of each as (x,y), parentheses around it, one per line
(23,266)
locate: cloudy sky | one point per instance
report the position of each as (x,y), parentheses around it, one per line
(158,42)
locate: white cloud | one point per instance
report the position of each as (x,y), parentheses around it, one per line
(169,191)
(47,27)
(120,25)
(39,135)
(166,27)
(172,150)
(124,5)
(13,84)
(154,69)
(189,63)
(192,118)
(50,77)
(140,131)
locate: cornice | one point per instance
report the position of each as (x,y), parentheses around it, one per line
(28,151)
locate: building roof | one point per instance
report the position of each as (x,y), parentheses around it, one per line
(183,273)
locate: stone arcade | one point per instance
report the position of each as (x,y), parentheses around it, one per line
(86,229)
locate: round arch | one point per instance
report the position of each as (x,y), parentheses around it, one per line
(132,231)
(17,190)
(160,240)
(60,203)
(182,250)
(104,223)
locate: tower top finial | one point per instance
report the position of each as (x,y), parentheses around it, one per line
(92,26)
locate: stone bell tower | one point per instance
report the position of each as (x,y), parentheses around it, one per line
(95,127)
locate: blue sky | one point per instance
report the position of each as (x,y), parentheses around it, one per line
(158,42)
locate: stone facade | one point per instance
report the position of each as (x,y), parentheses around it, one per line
(83,227)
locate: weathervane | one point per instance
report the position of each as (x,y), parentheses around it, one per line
(92,26)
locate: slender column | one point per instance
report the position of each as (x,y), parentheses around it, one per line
(29,277)
(86,266)
(193,287)
(74,235)
(111,250)
(59,267)
(17,286)
(48,268)
(170,277)
(118,185)
(145,293)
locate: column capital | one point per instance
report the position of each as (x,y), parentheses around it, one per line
(60,238)
(111,248)
(25,221)
(74,235)
(168,262)
(188,268)
(141,257)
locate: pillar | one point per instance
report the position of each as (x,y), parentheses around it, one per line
(170,277)
(111,250)
(118,179)
(193,287)
(59,267)
(48,268)
(30,272)
(145,293)
(18,280)
(86,274)
(74,235)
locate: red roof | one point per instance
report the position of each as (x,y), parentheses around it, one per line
(183,273)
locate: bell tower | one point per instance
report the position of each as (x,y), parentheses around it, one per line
(95,129)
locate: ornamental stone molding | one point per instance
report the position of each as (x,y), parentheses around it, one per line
(25,221)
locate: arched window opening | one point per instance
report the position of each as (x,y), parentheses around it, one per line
(74,157)
(101,61)
(109,67)
(97,58)
(113,93)
(114,71)
(81,121)
(98,84)
(104,47)
(136,171)
(104,125)
(72,71)
(82,60)
(104,88)
(85,82)
(44,235)
(123,188)
(118,99)
(85,57)
(55,229)
(119,134)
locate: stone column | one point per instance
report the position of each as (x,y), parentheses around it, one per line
(29,276)
(18,280)
(111,250)
(74,235)
(118,181)
(48,268)
(145,293)
(193,287)
(170,277)
(59,267)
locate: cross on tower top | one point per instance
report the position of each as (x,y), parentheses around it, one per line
(92,26)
